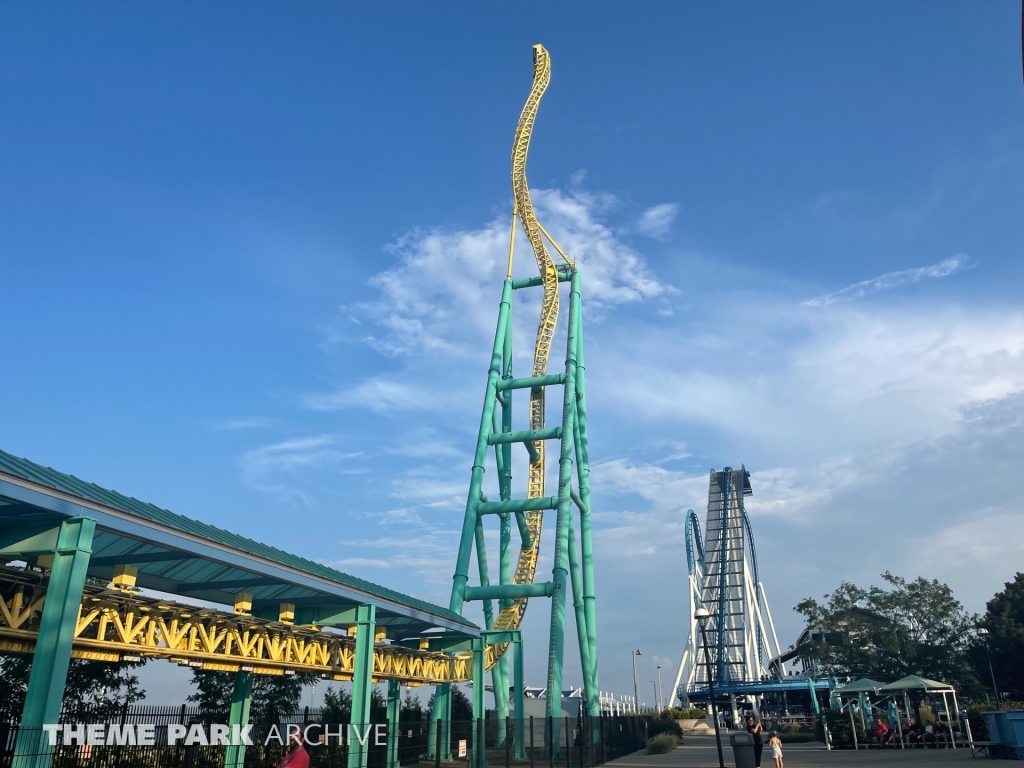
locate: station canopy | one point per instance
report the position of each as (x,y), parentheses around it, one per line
(178,555)
(864,685)
(916,683)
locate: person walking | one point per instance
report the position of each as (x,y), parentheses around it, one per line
(297,756)
(776,744)
(755,730)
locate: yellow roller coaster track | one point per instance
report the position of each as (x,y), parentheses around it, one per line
(511,616)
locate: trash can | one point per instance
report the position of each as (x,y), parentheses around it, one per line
(742,749)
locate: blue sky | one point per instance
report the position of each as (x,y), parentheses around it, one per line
(252,253)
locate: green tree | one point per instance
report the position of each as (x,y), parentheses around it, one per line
(100,688)
(909,628)
(337,705)
(462,707)
(1004,619)
(411,707)
(272,695)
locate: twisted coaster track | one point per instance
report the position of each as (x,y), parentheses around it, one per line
(515,588)
(511,616)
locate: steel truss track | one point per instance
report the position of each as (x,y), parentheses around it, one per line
(114,624)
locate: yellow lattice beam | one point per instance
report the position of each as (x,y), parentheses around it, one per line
(114,623)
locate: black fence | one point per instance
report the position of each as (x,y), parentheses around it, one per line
(537,742)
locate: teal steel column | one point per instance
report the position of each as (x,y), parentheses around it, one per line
(484,572)
(480,456)
(362,683)
(479,704)
(519,696)
(241,700)
(577,604)
(394,715)
(586,538)
(442,710)
(504,452)
(556,640)
(52,656)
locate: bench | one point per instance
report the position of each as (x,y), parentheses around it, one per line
(984,747)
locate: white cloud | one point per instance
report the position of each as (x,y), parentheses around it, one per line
(379,394)
(657,220)
(358,562)
(891,280)
(822,385)
(235,425)
(443,293)
(272,468)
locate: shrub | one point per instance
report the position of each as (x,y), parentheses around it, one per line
(840,731)
(696,713)
(662,743)
(794,733)
(663,724)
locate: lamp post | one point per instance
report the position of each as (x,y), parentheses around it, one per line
(701,615)
(983,634)
(654,685)
(636,684)
(661,694)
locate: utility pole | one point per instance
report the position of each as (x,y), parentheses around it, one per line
(661,693)
(636,684)
(701,614)
(982,633)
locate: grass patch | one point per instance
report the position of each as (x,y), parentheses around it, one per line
(662,743)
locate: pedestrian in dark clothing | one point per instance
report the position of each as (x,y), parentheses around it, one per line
(755,730)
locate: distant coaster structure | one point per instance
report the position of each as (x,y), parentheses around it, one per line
(516,586)
(723,577)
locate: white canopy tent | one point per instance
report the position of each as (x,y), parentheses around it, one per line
(917,683)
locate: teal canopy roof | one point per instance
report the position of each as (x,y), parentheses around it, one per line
(915,683)
(180,555)
(864,685)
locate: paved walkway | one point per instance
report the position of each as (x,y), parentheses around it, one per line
(700,752)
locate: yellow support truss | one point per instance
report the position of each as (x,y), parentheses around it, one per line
(114,623)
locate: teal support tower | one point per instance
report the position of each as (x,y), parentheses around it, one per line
(573,560)
(362,684)
(394,715)
(241,700)
(70,546)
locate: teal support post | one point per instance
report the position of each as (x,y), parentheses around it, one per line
(52,657)
(479,705)
(503,456)
(441,712)
(577,604)
(814,696)
(476,478)
(362,685)
(586,538)
(241,700)
(556,640)
(394,715)
(518,696)
(485,577)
